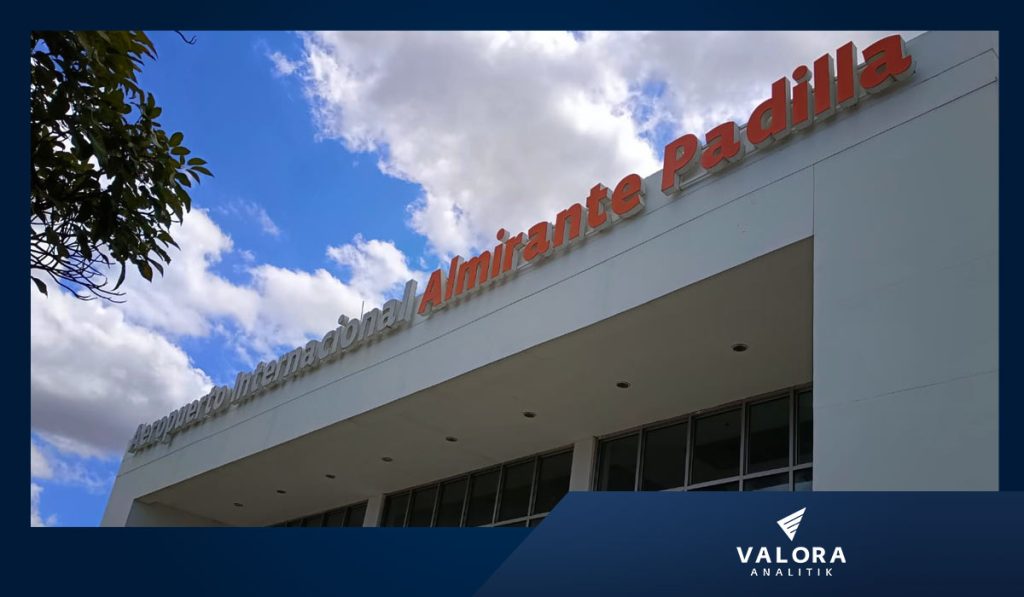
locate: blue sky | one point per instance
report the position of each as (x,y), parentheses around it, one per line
(346,163)
(255,130)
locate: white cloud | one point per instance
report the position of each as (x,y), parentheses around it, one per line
(499,129)
(52,463)
(266,224)
(283,67)
(98,370)
(41,468)
(277,307)
(376,266)
(189,297)
(711,77)
(95,376)
(253,211)
(35,519)
(503,129)
(296,305)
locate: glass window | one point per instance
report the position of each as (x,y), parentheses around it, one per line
(733,486)
(740,443)
(294,523)
(803,480)
(804,427)
(552,481)
(535,521)
(482,491)
(779,482)
(716,446)
(422,511)
(394,510)
(768,435)
(449,508)
(664,458)
(618,464)
(515,490)
(335,518)
(356,515)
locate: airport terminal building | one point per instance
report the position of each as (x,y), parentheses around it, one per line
(806,300)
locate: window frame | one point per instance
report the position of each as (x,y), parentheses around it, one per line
(744,405)
(531,514)
(322,516)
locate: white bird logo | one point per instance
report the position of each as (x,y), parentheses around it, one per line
(791,523)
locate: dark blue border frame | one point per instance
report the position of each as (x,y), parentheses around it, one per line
(441,561)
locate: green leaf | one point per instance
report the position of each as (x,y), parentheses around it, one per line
(83,245)
(40,285)
(51,237)
(120,278)
(165,237)
(86,104)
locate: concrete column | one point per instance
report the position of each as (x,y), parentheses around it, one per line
(906,301)
(374,507)
(584,454)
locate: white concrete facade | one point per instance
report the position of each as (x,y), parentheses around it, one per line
(882,221)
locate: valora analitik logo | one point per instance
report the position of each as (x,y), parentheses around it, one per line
(791,561)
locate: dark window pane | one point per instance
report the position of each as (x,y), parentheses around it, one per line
(482,491)
(803,480)
(294,523)
(716,447)
(535,521)
(804,428)
(618,464)
(449,510)
(335,518)
(422,510)
(768,435)
(733,486)
(356,515)
(664,458)
(394,510)
(778,482)
(552,481)
(515,490)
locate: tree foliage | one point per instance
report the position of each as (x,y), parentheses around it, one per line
(107,181)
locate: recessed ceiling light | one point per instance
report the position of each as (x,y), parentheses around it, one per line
(739,347)
(281,491)
(238,505)
(329,476)
(623,385)
(451,439)
(387,459)
(529,414)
